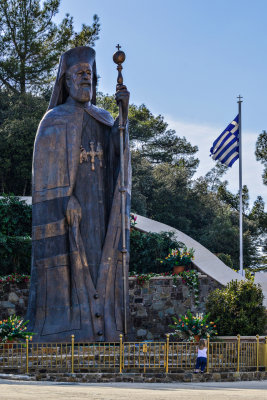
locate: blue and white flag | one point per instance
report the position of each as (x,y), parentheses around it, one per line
(226,147)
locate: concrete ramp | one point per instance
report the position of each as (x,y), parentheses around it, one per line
(206,261)
(261,278)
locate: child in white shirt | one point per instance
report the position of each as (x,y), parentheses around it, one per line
(201,356)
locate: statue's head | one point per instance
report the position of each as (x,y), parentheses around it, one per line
(76,77)
(79,82)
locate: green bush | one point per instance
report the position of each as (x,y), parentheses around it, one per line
(238,309)
(226,259)
(148,248)
(15,216)
(15,254)
(15,231)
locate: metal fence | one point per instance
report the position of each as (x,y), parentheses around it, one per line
(235,355)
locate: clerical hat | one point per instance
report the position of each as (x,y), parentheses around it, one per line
(77,55)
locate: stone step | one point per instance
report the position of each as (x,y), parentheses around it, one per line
(156,377)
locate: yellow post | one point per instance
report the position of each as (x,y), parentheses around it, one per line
(121,344)
(238,352)
(258,345)
(208,352)
(72,354)
(27,354)
(265,353)
(167,352)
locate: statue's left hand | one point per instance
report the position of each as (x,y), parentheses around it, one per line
(122,96)
(74,211)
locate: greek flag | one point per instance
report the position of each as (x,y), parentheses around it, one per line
(226,147)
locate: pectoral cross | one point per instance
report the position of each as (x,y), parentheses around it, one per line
(92,154)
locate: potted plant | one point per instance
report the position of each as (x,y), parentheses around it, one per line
(13,329)
(133,222)
(178,259)
(193,327)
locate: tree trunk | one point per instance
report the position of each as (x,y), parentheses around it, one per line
(22,78)
(24,189)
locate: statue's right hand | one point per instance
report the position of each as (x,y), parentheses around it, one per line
(74,211)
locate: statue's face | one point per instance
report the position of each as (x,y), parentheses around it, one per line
(79,82)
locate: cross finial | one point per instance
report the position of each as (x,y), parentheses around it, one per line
(239,99)
(118,47)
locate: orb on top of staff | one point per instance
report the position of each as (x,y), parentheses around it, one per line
(119,56)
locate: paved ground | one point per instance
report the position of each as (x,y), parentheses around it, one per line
(17,390)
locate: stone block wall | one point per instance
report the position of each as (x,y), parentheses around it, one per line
(151,306)
(13,299)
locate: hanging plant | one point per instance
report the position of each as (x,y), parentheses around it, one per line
(190,278)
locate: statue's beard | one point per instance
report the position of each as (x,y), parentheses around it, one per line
(82,94)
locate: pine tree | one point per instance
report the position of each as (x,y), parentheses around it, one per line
(31,43)
(261,153)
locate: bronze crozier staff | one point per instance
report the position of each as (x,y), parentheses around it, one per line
(119,58)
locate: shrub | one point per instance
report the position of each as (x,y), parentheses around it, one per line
(14,278)
(238,309)
(15,231)
(15,254)
(226,259)
(15,216)
(148,248)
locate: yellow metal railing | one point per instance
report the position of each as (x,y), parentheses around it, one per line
(122,356)
(143,355)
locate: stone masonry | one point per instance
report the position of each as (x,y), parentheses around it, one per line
(151,306)
(13,299)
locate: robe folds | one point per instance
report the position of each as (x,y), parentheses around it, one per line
(77,278)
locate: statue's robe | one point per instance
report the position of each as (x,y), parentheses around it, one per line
(77,277)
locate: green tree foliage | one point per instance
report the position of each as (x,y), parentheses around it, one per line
(151,138)
(213,177)
(30,47)
(15,216)
(148,248)
(21,115)
(258,214)
(163,166)
(143,183)
(238,308)
(15,231)
(31,43)
(261,153)
(226,259)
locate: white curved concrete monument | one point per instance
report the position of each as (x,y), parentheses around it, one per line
(204,259)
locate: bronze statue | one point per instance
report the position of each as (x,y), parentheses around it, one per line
(77,253)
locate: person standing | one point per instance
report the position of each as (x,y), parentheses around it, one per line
(201,362)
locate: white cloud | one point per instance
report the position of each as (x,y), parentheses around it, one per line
(204,135)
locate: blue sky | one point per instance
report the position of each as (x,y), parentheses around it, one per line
(188,60)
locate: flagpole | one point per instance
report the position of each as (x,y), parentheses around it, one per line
(240,191)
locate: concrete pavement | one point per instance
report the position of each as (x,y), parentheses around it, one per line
(18,390)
